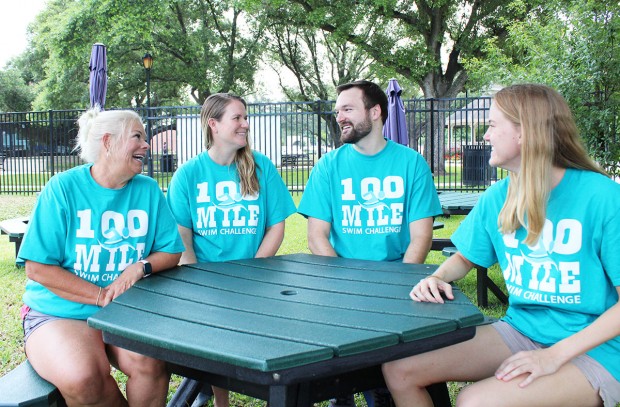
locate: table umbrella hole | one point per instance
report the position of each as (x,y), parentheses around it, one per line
(289,292)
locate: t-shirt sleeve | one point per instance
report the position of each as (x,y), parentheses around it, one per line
(472,237)
(610,255)
(178,198)
(423,198)
(280,204)
(45,237)
(167,237)
(316,201)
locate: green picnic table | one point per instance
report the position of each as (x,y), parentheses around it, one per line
(457,203)
(292,329)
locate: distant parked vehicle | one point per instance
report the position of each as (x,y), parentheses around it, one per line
(13,145)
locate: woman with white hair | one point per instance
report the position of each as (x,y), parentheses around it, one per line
(553,226)
(95,231)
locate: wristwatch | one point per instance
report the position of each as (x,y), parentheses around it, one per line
(148,269)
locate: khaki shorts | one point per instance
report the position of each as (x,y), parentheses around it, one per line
(600,379)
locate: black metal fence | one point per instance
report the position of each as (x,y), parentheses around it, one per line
(294,135)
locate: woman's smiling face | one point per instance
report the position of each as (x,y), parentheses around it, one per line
(232,129)
(131,150)
(505,140)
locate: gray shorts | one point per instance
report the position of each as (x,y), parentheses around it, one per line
(31,320)
(600,379)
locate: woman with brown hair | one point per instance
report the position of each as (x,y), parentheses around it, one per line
(553,226)
(229,201)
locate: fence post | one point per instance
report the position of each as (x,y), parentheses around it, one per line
(50,142)
(149,153)
(432,136)
(318,121)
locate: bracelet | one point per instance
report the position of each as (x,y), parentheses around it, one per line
(98,296)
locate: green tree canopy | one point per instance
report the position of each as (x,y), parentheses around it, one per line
(16,95)
(576,50)
(422,40)
(199,47)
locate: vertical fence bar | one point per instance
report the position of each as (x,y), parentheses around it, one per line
(318,128)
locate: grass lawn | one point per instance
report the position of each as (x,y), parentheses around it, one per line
(12,282)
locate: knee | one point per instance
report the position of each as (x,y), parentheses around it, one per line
(400,375)
(140,365)
(470,397)
(87,387)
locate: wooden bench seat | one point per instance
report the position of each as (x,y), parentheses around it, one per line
(22,386)
(15,229)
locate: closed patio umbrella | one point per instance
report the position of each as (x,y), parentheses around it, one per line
(395,128)
(98,75)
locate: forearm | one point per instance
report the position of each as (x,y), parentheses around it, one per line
(321,247)
(417,251)
(604,328)
(454,268)
(318,238)
(63,283)
(163,261)
(189,255)
(271,241)
(421,239)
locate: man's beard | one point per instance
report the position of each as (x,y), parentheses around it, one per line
(357,132)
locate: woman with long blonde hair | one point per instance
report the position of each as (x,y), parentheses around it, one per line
(553,226)
(229,201)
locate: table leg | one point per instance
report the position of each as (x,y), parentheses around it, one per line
(186,393)
(439,394)
(285,396)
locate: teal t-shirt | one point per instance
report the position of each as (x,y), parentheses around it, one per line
(94,232)
(564,282)
(206,197)
(370,200)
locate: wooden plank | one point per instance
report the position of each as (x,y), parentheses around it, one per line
(364,266)
(406,326)
(355,296)
(238,348)
(332,269)
(343,340)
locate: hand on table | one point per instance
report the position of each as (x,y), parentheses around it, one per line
(537,363)
(132,274)
(430,289)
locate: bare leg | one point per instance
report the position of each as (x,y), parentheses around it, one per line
(72,356)
(567,387)
(220,397)
(472,360)
(147,378)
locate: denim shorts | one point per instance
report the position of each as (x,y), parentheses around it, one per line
(600,379)
(31,320)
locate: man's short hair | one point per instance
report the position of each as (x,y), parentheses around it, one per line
(373,95)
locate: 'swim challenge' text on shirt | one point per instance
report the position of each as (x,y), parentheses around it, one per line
(228,213)
(376,209)
(120,237)
(538,273)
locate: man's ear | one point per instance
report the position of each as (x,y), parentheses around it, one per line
(375,112)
